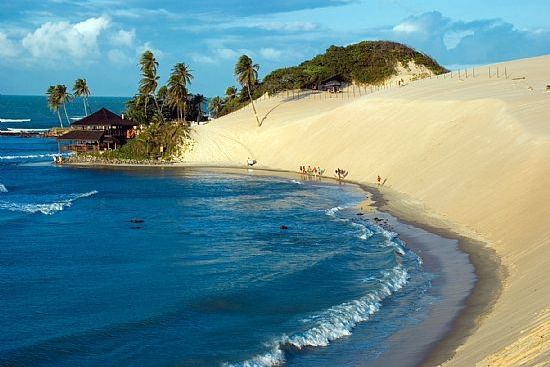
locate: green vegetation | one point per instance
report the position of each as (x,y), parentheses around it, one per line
(80,89)
(160,139)
(368,62)
(57,96)
(247,76)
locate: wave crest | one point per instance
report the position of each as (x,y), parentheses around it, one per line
(44,208)
(332,324)
(3,188)
(30,156)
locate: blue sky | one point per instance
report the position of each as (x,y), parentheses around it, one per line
(45,42)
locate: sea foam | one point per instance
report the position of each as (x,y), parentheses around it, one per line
(44,208)
(333,323)
(340,320)
(30,156)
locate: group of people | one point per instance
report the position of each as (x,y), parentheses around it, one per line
(340,174)
(315,171)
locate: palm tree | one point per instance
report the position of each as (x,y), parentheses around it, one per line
(80,89)
(215,105)
(177,88)
(53,101)
(247,75)
(149,78)
(64,98)
(231,92)
(199,100)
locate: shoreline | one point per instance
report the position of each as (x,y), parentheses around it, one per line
(488,269)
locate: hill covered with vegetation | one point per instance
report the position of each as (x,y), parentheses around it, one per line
(367,62)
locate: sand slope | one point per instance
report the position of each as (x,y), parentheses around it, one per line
(473,153)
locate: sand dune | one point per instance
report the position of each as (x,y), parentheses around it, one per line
(473,154)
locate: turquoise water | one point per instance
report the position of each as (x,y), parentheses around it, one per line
(178,267)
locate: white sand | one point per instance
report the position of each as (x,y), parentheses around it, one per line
(473,153)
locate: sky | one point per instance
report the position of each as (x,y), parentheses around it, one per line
(44,42)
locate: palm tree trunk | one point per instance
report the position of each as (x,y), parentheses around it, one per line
(85,108)
(253,107)
(184,110)
(66,115)
(59,116)
(158,108)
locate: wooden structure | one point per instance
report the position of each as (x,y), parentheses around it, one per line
(100,131)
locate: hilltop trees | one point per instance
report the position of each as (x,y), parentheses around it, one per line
(247,76)
(53,101)
(215,106)
(80,89)
(57,95)
(149,79)
(177,88)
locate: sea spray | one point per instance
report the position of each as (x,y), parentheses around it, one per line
(32,156)
(44,208)
(340,320)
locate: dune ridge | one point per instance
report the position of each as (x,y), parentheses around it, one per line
(471,153)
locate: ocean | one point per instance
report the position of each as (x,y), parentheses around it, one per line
(188,267)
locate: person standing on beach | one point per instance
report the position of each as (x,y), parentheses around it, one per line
(379,179)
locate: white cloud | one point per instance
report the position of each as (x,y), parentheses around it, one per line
(123,38)
(119,57)
(407,27)
(283,26)
(227,53)
(7,48)
(148,46)
(203,59)
(59,40)
(270,53)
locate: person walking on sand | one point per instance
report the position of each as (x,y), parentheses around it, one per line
(379,180)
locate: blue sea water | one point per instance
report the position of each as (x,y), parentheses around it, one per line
(179,267)
(35,108)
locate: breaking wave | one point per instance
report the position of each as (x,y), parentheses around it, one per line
(44,208)
(333,323)
(14,120)
(30,156)
(3,188)
(340,320)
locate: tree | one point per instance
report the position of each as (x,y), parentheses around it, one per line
(247,76)
(53,101)
(215,106)
(231,92)
(80,89)
(149,78)
(177,88)
(198,101)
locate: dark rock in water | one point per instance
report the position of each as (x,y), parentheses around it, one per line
(360,214)
(283,227)
(377,219)
(135,227)
(136,221)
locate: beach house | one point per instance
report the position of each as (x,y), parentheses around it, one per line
(100,131)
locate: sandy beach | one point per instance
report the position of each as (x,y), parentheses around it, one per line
(466,155)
